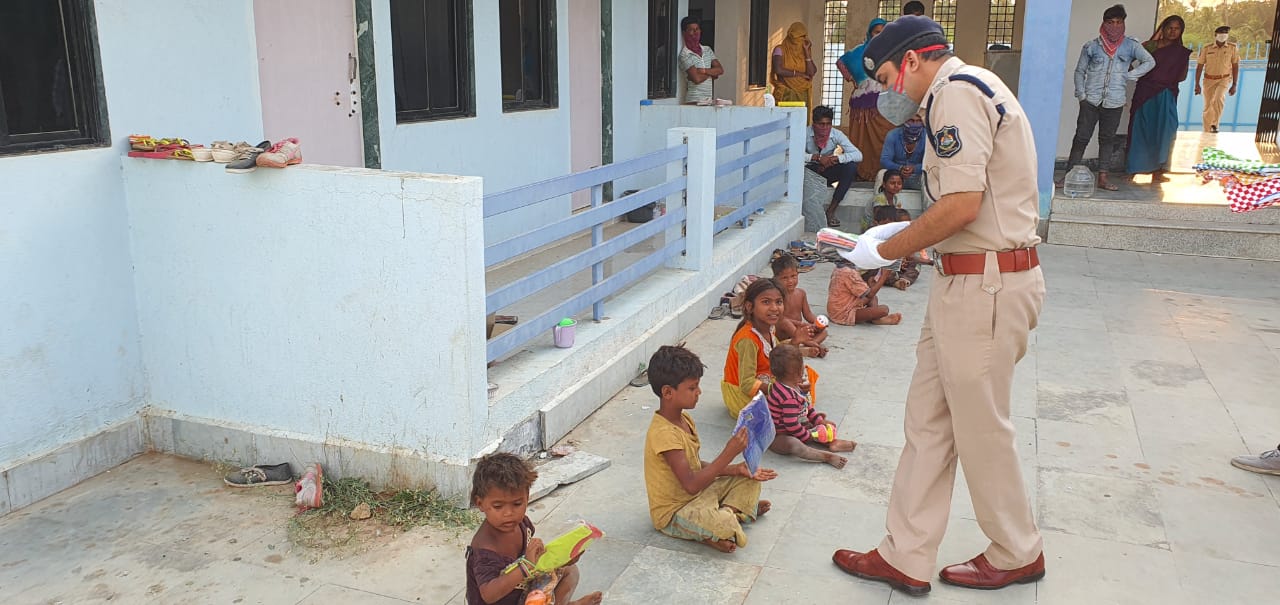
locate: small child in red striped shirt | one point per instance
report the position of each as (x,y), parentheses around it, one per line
(800,426)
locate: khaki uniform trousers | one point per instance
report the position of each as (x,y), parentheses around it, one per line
(975,331)
(1215,98)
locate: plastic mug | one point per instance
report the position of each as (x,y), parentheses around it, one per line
(564,332)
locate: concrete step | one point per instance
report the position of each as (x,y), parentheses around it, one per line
(855,203)
(1156,210)
(1195,238)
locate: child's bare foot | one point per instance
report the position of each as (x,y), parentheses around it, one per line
(901,284)
(591,599)
(842,445)
(891,319)
(810,351)
(834,459)
(725,546)
(763,508)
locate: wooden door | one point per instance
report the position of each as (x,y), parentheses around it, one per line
(309,78)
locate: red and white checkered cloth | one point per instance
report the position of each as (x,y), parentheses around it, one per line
(1244,197)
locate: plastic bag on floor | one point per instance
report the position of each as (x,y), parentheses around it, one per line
(814,201)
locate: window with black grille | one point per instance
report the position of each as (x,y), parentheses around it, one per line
(944,13)
(663,46)
(527,29)
(891,9)
(834,26)
(431,57)
(1000,23)
(49,69)
(758,51)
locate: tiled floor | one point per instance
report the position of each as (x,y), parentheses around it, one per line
(1146,375)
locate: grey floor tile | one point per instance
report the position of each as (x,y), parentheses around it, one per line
(332,593)
(1194,521)
(777,586)
(867,478)
(1106,508)
(1087,570)
(1090,449)
(1212,580)
(658,575)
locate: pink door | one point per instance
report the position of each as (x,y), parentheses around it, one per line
(308,77)
(584,92)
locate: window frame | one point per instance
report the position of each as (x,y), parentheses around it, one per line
(80,34)
(759,55)
(673,45)
(550,79)
(464,29)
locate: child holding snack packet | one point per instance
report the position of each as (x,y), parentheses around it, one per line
(504,554)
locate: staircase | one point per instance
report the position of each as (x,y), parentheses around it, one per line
(1169,228)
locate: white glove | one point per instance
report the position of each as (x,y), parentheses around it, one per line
(866,255)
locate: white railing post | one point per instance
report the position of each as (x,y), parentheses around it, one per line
(699,196)
(796,135)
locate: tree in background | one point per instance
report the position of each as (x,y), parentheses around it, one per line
(1250,20)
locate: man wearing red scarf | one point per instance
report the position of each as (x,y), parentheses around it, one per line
(697,61)
(1106,66)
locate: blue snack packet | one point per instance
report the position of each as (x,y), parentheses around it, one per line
(760,432)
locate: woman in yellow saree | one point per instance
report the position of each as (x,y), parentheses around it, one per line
(793,66)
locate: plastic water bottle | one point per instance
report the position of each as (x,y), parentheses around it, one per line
(1078,183)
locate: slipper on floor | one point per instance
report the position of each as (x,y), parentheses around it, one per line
(640,381)
(718,312)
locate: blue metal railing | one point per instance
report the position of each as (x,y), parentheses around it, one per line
(593,257)
(740,194)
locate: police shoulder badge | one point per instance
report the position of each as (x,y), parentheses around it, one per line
(870,65)
(947,141)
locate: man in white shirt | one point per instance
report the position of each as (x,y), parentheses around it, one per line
(841,168)
(698,62)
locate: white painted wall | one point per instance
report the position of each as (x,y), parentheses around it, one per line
(1086,18)
(327,302)
(505,149)
(70,360)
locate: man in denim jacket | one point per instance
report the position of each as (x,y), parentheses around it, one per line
(1105,68)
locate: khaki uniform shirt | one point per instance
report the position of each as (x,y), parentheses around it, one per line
(1218,60)
(978,151)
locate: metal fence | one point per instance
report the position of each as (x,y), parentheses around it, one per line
(593,257)
(754,191)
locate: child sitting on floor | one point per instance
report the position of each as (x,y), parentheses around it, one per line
(500,489)
(909,269)
(746,367)
(799,425)
(890,187)
(690,499)
(851,300)
(798,324)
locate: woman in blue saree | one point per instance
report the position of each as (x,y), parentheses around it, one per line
(1153,117)
(866,128)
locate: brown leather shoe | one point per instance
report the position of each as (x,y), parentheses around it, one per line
(978,573)
(871,566)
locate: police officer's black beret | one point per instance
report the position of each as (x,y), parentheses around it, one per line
(902,35)
(1225,29)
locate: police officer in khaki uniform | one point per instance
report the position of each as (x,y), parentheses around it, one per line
(980,169)
(1219,65)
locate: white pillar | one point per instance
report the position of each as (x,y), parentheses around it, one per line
(795,154)
(699,198)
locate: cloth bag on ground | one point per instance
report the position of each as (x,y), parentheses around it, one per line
(814,202)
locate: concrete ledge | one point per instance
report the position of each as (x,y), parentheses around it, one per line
(555,389)
(1209,213)
(1196,238)
(29,480)
(855,203)
(244,445)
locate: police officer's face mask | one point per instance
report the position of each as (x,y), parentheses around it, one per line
(894,104)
